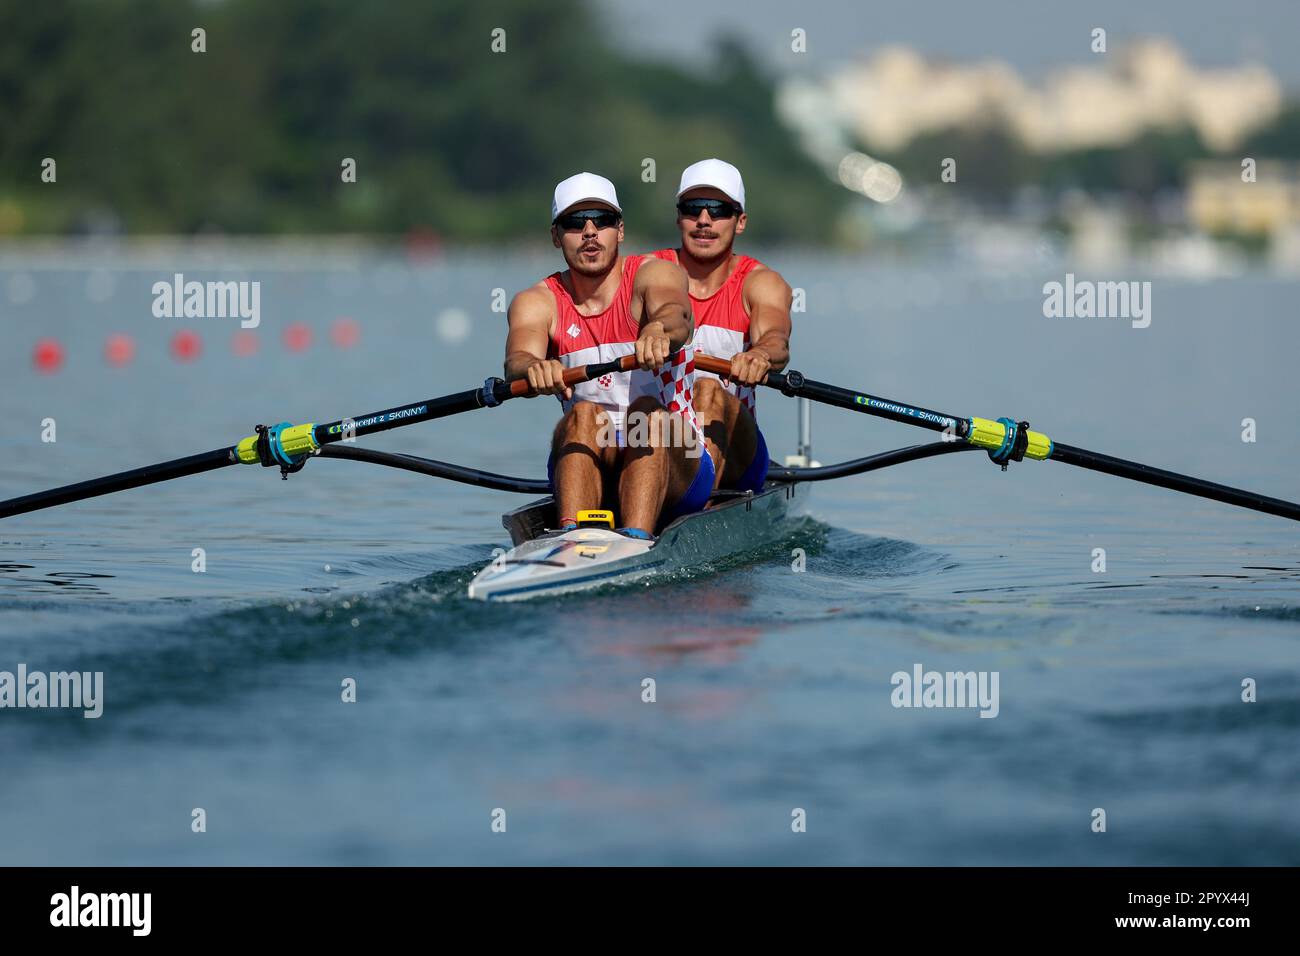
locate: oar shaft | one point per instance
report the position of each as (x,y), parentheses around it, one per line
(410,414)
(493,392)
(793,383)
(990,435)
(1136,471)
(869,404)
(301,440)
(148,475)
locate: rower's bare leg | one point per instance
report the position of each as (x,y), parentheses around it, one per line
(658,464)
(729,430)
(580,461)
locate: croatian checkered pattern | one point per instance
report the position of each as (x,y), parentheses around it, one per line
(676,384)
(722,323)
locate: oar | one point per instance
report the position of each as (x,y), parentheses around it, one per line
(288,446)
(1007,441)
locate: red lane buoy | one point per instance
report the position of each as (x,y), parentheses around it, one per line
(345,332)
(48,356)
(297,336)
(186,345)
(119,350)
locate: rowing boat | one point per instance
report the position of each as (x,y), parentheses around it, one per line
(545,562)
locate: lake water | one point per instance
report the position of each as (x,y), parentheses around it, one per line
(1118,689)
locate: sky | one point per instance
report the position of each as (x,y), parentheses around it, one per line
(1035,36)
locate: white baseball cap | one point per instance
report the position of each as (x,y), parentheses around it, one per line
(715,173)
(583,187)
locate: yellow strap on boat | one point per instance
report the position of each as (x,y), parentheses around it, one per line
(990,435)
(603,517)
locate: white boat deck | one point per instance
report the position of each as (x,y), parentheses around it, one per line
(545,563)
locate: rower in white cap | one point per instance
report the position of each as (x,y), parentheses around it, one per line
(629,441)
(742,313)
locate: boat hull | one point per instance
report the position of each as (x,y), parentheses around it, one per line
(549,563)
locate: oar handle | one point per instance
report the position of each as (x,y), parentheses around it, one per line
(722,368)
(582,373)
(707,363)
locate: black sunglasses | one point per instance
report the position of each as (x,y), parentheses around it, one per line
(718,208)
(578,219)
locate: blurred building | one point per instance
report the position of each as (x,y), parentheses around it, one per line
(1219,202)
(897,95)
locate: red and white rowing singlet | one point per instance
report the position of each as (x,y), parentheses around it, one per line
(721,322)
(586,339)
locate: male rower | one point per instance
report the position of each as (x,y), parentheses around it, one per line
(603,306)
(742,313)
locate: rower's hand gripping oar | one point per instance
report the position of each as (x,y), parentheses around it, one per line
(1007,441)
(288,446)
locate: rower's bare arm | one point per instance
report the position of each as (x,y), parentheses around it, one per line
(528,340)
(666,321)
(769,298)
